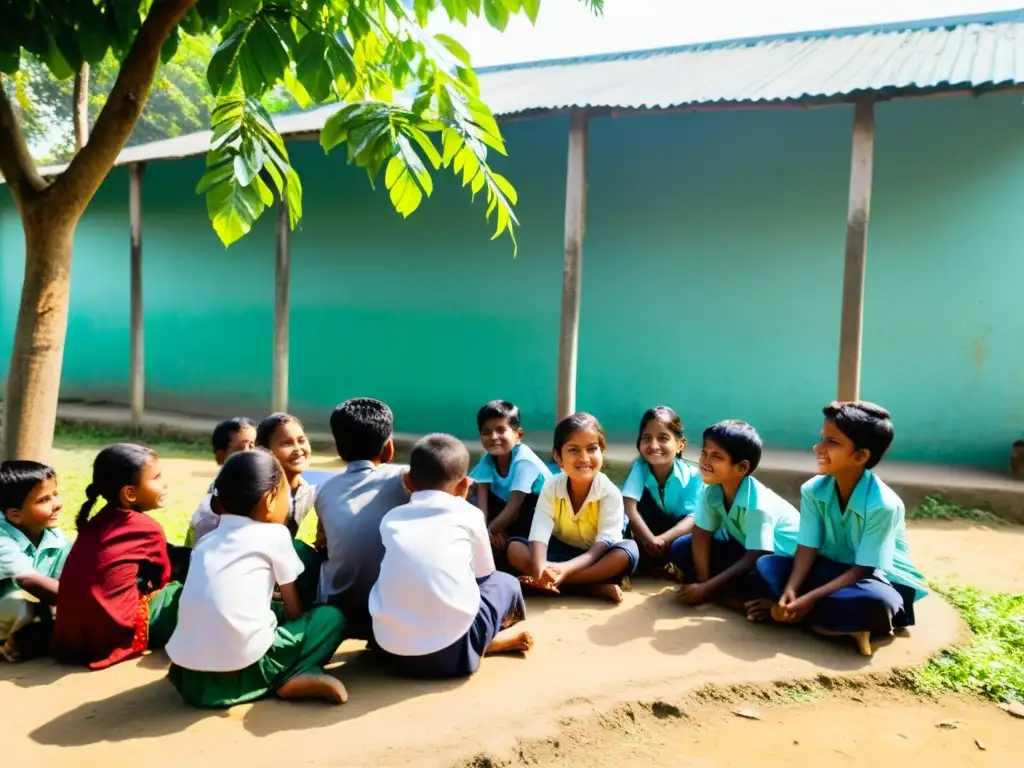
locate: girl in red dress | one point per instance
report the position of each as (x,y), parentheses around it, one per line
(117,602)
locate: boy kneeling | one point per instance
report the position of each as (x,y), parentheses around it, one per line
(439,605)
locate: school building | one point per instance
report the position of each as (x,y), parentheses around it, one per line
(722,194)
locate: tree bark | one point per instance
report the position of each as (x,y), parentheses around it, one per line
(33,382)
(81,107)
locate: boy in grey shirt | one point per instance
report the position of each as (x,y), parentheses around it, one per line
(350,507)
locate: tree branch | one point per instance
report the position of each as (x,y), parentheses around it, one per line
(77,185)
(80,107)
(16,163)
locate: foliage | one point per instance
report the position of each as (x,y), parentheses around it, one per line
(992,664)
(412,103)
(938,507)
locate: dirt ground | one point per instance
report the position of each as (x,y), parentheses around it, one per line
(588,694)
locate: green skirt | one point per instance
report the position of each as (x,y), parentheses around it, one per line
(301,647)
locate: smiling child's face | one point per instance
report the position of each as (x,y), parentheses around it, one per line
(658,446)
(498,437)
(581,457)
(836,453)
(41,509)
(291,447)
(717,467)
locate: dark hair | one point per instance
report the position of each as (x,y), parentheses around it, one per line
(868,426)
(437,460)
(361,427)
(498,409)
(18,479)
(738,439)
(572,423)
(227,429)
(114,467)
(664,416)
(244,479)
(269,425)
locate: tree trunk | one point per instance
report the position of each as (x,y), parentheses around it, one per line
(33,382)
(81,107)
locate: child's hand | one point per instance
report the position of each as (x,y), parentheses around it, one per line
(788,596)
(655,546)
(693,594)
(499,541)
(793,611)
(552,575)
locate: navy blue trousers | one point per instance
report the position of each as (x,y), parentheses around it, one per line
(873,604)
(724,553)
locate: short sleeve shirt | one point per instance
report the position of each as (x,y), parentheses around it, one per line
(759,518)
(225,622)
(526,473)
(19,556)
(680,494)
(600,518)
(872,532)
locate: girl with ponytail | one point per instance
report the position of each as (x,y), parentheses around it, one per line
(116,601)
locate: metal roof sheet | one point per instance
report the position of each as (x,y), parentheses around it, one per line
(971,52)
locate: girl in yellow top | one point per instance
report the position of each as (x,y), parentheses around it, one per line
(576,537)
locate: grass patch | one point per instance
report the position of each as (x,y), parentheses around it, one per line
(938,507)
(992,665)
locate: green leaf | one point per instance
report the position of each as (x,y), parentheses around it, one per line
(223,68)
(312,68)
(531,8)
(454,48)
(513,6)
(170,46)
(10,61)
(496,14)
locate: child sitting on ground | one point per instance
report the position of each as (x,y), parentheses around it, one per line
(662,490)
(576,537)
(32,555)
(852,574)
(439,604)
(738,521)
(351,505)
(229,437)
(229,647)
(115,600)
(285,438)
(509,476)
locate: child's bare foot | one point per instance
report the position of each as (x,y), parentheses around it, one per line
(510,642)
(863,639)
(759,610)
(314,687)
(611,592)
(532,583)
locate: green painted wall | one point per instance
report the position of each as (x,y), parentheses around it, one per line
(712,274)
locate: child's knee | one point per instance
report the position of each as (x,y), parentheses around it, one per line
(629,552)
(680,553)
(518,553)
(775,570)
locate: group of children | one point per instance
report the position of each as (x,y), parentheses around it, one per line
(431,581)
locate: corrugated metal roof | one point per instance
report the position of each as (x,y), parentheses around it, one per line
(971,52)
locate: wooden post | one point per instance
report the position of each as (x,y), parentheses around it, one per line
(857,217)
(572,271)
(282,277)
(138,349)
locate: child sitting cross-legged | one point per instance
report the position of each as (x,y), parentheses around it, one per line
(576,539)
(32,555)
(439,604)
(852,574)
(737,522)
(232,643)
(510,475)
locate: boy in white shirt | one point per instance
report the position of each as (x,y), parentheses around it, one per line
(439,605)
(232,644)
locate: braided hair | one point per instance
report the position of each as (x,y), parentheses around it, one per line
(115,467)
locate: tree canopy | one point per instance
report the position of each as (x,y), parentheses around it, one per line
(411,102)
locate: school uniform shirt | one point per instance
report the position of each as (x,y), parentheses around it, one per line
(99,595)
(526,473)
(681,493)
(427,597)
(19,556)
(599,519)
(225,622)
(350,507)
(300,501)
(204,520)
(759,518)
(871,533)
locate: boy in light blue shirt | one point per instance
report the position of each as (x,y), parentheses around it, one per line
(738,521)
(509,476)
(851,574)
(32,555)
